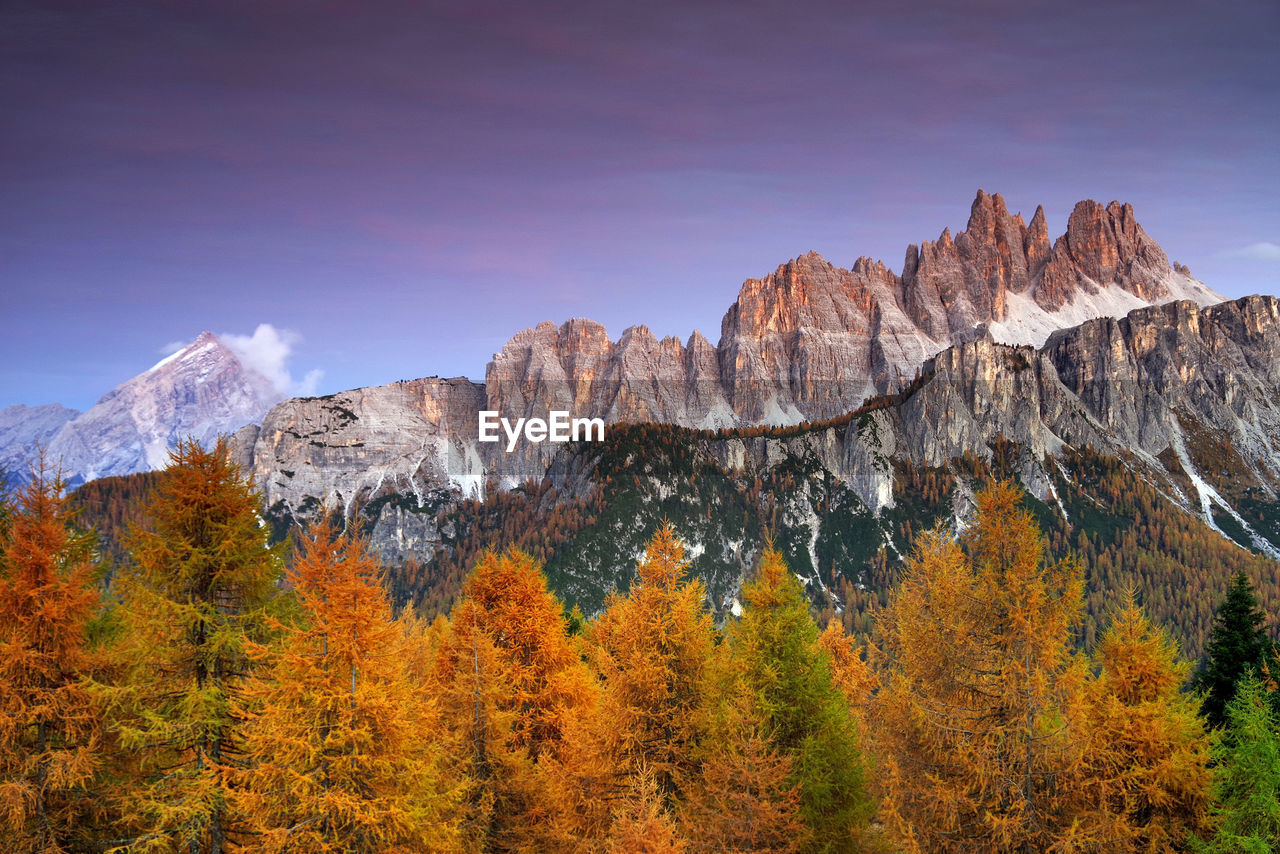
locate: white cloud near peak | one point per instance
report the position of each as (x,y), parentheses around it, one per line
(267,351)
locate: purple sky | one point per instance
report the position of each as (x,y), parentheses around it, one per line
(405,185)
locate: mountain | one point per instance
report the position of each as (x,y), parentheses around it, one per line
(1148,445)
(841,412)
(202,390)
(808,342)
(812,340)
(25,428)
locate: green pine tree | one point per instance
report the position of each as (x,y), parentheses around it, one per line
(780,662)
(1237,643)
(1246,779)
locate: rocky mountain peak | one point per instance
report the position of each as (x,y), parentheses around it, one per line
(812,339)
(202,390)
(1035,241)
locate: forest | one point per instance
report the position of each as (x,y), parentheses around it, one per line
(202,689)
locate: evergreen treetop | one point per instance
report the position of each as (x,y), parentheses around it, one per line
(1237,644)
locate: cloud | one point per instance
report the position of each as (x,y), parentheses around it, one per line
(307,387)
(1261,251)
(267,352)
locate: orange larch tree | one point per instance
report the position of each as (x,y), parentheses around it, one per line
(982,698)
(849,668)
(337,753)
(507,596)
(470,678)
(50,733)
(1149,753)
(651,649)
(509,678)
(642,824)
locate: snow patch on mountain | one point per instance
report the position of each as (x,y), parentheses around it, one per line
(1026,322)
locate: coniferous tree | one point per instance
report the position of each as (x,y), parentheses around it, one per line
(510,679)
(1246,775)
(202,580)
(642,824)
(849,669)
(471,679)
(50,733)
(651,649)
(776,653)
(507,596)
(1237,643)
(982,700)
(745,798)
(340,756)
(1149,753)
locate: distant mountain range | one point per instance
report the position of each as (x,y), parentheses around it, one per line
(809,341)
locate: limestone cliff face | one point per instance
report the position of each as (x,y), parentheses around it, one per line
(956,284)
(1189,396)
(812,340)
(577,368)
(809,341)
(1163,378)
(406,439)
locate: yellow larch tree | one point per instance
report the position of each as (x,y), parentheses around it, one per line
(849,669)
(1149,753)
(50,733)
(744,798)
(982,698)
(651,649)
(200,589)
(338,755)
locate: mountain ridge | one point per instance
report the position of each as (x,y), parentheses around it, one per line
(808,341)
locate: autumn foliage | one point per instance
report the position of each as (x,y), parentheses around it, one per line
(228,697)
(196,597)
(333,757)
(996,735)
(50,722)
